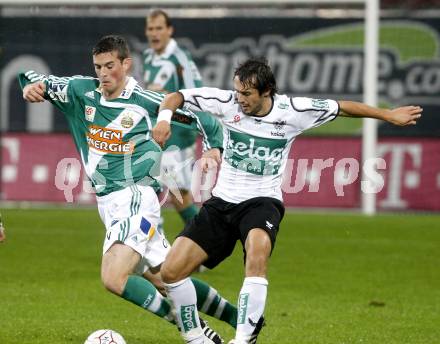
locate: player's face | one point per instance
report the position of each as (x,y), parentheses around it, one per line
(158,33)
(111,72)
(250,100)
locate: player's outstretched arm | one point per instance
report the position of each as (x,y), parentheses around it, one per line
(405,115)
(162,130)
(34,92)
(172,101)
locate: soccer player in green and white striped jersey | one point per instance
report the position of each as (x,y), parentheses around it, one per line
(169,68)
(110,118)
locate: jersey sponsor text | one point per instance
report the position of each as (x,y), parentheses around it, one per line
(108,141)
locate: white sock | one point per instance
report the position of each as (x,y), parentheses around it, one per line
(251,302)
(184,299)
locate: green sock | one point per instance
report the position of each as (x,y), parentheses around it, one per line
(188,213)
(142,293)
(210,302)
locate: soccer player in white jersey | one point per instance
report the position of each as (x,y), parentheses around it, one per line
(259,128)
(110,118)
(169,68)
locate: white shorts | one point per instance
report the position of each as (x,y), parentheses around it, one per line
(176,168)
(131,216)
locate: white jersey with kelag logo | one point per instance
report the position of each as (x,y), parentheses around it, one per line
(113,136)
(256,148)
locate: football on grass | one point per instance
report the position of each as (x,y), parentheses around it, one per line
(105,337)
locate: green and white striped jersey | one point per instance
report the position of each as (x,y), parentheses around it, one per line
(256,148)
(113,136)
(172,70)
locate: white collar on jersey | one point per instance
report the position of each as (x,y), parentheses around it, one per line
(128,89)
(169,49)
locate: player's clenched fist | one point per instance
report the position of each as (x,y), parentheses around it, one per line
(161,132)
(34,93)
(211,159)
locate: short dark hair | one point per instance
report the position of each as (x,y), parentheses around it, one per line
(157,13)
(256,72)
(110,43)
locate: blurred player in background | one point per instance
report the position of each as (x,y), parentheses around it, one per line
(169,68)
(2,230)
(110,118)
(259,128)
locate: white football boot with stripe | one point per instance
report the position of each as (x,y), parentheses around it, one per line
(211,337)
(253,338)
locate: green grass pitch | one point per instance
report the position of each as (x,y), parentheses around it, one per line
(334,278)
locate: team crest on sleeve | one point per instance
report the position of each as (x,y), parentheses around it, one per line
(58,92)
(89,112)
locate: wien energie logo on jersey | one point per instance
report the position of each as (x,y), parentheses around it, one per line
(108,140)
